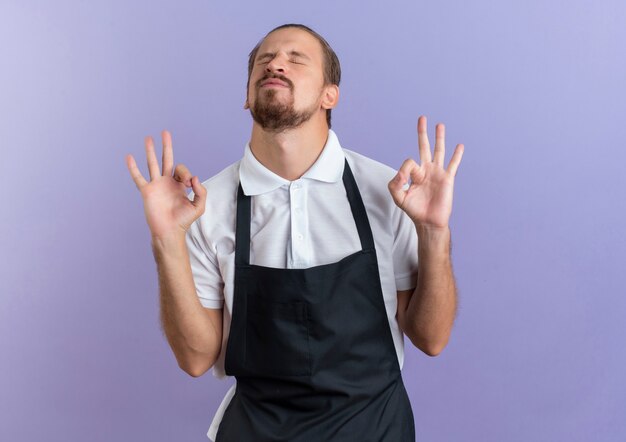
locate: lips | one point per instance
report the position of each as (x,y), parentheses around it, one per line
(273,82)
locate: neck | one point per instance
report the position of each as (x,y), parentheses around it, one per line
(291,153)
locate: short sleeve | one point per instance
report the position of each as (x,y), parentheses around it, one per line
(404,250)
(204,268)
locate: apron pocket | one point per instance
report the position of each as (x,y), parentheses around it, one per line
(277,339)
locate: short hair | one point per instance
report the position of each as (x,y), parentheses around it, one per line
(331,66)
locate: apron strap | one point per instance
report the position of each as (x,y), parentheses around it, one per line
(242,238)
(358,209)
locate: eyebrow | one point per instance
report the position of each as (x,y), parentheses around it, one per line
(271,54)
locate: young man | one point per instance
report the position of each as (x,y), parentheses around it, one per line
(301,276)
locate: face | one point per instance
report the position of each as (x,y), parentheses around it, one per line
(292,60)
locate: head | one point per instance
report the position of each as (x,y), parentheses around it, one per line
(309,70)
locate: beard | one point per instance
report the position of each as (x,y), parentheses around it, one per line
(275,116)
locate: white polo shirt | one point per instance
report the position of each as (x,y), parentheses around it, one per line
(297,224)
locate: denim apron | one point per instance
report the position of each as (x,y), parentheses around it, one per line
(311,349)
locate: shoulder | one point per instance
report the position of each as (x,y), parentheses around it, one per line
(217,220)
(372,177)
(221,187)
(368,169)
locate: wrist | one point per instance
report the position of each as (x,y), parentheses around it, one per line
(424,230)
(168,242)
(433,241)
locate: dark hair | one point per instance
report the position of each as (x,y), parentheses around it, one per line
(331,67)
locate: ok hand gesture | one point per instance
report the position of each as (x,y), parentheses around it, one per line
(428,200)
(167,208)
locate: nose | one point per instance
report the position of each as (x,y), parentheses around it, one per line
(277,64)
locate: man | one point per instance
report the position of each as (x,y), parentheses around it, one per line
(302,276)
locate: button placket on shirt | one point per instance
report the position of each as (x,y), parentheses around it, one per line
(299,254)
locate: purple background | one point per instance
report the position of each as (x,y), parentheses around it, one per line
(536,92)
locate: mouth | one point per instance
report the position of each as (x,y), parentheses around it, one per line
(274,83)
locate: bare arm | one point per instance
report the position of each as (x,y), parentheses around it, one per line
(426,314)
(194,332)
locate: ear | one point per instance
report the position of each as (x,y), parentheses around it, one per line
(331,96)
(246,105)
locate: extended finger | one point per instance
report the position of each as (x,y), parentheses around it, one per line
(138,178)
(422,139)
(168,153)
(440,150)
(153,163)
(456,159)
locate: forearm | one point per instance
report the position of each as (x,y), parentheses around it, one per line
(194,339)
(432,308)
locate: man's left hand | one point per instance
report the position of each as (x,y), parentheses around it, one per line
(428,199)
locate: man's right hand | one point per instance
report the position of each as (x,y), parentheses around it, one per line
(167,208)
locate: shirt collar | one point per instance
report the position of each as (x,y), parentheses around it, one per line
(255,178)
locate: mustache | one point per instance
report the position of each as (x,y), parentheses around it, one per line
(280,77)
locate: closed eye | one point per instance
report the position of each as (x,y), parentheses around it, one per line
(292,61)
